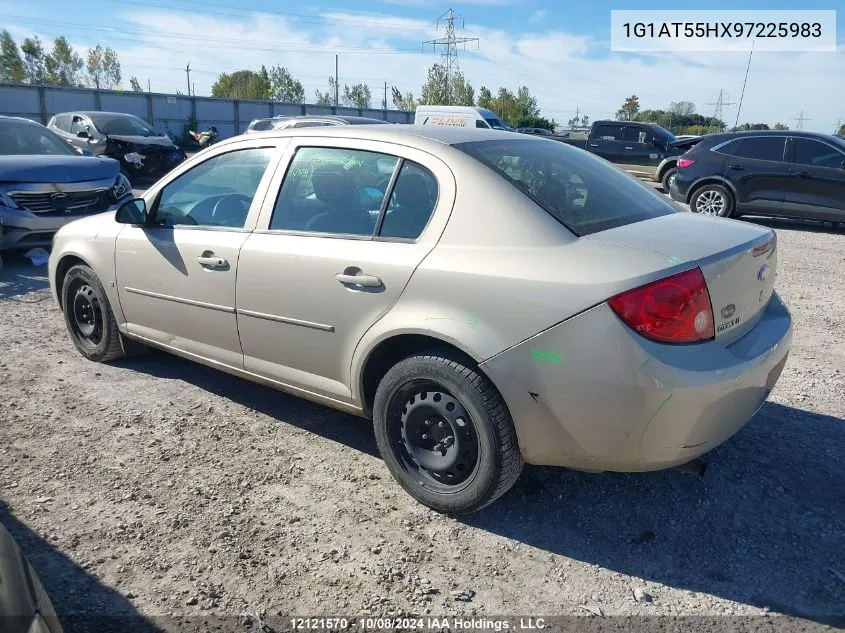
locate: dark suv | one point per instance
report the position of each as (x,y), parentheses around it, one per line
(772,173)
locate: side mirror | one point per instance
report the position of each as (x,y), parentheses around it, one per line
(83,134)
(132,212)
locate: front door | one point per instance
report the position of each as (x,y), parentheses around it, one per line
(176,276)
(757,168)
(817,188)
(351,223)
(640,155)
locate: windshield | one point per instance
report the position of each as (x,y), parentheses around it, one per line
(122,125)
(496,124)
(582,192)
(18,139)
(666,133)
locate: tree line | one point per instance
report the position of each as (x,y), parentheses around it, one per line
(519,108)
(32,64)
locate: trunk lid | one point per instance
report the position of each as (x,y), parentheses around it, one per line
(738,260)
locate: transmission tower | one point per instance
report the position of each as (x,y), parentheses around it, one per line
(720,103)
(801,118)
(449,45)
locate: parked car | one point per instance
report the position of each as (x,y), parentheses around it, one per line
(772,173)
(24,604)
(281,122)
(44,184)
(459,116)
(501,299)
(126,138)
(537,131)
(646,150)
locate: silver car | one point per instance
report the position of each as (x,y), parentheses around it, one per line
(44,184)
(485,298)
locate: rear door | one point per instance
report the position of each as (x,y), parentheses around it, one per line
(332,253)
(758,170)
(606,141)
(639,155)
(817,180)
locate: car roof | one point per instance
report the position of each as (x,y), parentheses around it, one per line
(726,136)
(400,133)
(95,112)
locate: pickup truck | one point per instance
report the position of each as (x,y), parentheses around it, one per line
(646,150)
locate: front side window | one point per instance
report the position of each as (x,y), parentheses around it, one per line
(481,124)
(636,134)
(580,191)
(78,125)
(411,203)
(816,154)
(216,193)
(761,148)
(333,190)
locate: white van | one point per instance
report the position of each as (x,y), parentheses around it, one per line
(458,116)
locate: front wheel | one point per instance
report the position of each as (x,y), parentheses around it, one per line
(669,178)
(712,199)
(445,433)
(89,317)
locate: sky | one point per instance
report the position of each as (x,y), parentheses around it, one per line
(561,51)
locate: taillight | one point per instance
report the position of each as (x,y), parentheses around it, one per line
(676,309)
(685,162)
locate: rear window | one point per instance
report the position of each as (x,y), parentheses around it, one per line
(580,191)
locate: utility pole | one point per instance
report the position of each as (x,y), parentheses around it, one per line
(449,43)
(336,91)
(838,126)
(188,72)
(194,87)
(720,103)
(149,89)
(385,95)
(801,118)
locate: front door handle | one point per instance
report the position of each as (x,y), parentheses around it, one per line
(736,167)
(212,261)
(802,174)
(594,144)
(359,280)
(629,148)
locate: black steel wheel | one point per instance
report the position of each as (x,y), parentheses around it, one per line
(434,436)
(445,433)
(88,315)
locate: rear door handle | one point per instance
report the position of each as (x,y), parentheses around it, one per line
(359,280)
(594,144)
(629,148)
(802,174)
(737,167)
(212,261)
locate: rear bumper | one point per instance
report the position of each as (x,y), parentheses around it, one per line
(679,193)
(591,394)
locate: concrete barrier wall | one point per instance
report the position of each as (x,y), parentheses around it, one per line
(166,112)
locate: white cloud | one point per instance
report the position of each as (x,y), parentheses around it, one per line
(565,71)
(537,16)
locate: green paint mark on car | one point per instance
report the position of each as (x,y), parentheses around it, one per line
(548,357)
(473,320)
(674,259)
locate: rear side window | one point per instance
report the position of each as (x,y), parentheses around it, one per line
(609,132)
(580,191)
(761,148)
(636,134)
(816,154)
(411,203)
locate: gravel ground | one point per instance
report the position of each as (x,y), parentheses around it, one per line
(160,487)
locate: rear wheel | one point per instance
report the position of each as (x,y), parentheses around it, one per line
(89,317)
(669,178)
(445,433)
(712,199)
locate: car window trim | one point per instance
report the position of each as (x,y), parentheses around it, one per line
(739,139)
(153,214)
(388,193)
(791,151)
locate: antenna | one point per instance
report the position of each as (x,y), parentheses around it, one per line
(449,43)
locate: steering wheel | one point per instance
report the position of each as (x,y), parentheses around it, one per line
(383,183)
(246,201)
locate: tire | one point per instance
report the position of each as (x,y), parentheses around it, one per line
(712,199)
(668,177)
(422,402)
(89,317)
